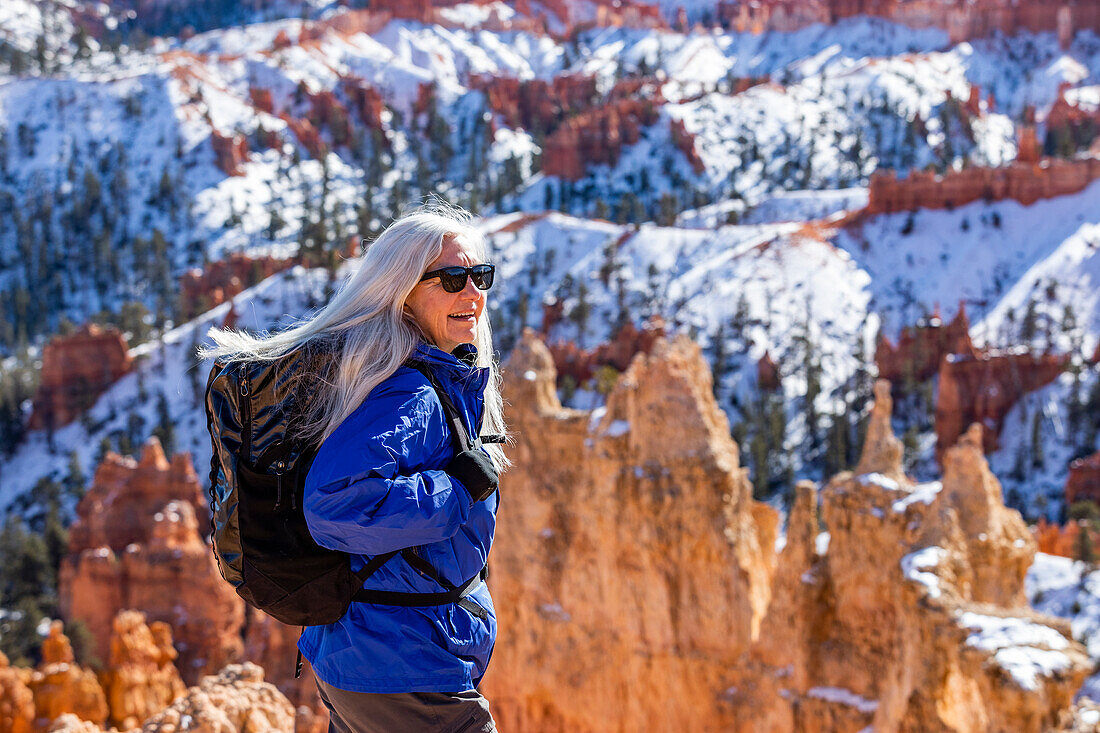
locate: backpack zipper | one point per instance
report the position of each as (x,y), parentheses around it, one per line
(246,426)
(280,469)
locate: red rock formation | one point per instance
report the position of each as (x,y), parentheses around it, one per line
(16,699)
(366,101)
(611,14)
(685,143)
(1055,540)
(261,98)
(551,314)
(1020,181)
(1068,121)
(269,139)
(418,10)
(136,544)
(581,365)
(767,374)
(596,137)
(60,686)
(536,103)
(230,152)
(973,102)
(76,370)
(326,111)
(921,348)
(1083,481)
(141,679)
(1028,150)
(984,388)
(201,290)
(307,135)
(282,40)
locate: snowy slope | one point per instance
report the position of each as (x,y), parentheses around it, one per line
(164,367)
(1063,587)
(1002,254)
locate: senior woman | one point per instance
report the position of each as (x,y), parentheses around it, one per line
(386,476)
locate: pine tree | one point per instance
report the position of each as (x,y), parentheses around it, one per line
(1037,457)
(76,479)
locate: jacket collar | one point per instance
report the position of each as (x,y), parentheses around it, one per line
(459,363)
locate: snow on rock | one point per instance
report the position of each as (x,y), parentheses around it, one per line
(1025,650)
(923,493)
(916,564)
(843,696)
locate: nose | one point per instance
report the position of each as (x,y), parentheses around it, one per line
(471,290)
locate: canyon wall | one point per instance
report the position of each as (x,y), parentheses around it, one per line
(962,21)
(1020,181)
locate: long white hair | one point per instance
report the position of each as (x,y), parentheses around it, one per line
(367,330)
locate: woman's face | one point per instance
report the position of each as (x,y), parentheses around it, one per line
(448,319)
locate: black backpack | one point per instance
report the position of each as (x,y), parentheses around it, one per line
(259,533)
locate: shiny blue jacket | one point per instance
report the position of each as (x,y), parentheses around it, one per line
(377,485)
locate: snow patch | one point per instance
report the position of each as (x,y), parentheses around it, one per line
(914,565)
(843,696)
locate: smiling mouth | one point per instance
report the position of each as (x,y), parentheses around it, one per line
(462,316)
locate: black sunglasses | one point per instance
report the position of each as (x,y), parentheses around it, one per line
(453,279)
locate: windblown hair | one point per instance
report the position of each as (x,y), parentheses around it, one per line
(361,337)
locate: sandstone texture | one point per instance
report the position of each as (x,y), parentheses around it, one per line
(638,585)
(69,723)
(906,611)
(60,686)
(274,647)
(137,544)
(16,699)
(141,678)
(236,700)
(76,370)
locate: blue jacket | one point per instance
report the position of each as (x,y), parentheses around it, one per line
(377,485)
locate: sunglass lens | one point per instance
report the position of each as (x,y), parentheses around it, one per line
(483,276)
(453,279)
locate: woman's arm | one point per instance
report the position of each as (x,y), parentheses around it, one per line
(357,499)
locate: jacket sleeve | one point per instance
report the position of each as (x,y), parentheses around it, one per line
(362,495)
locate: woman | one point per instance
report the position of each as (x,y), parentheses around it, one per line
(386,476)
